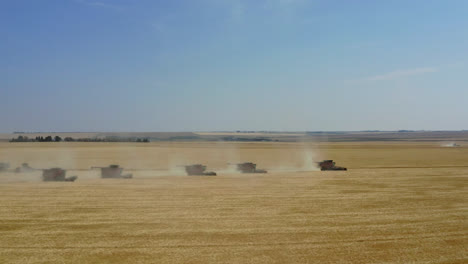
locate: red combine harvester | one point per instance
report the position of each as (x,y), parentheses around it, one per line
(113,172)
(249,167)
(4,166)
(24,168)
(198,170)
(330,165)
(56,174)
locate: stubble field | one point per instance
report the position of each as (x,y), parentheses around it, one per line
(397,203)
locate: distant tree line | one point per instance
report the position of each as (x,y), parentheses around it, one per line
(70,139)
(36,139)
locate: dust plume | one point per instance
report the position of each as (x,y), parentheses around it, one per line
(304,157)
(228,156)
(449,145)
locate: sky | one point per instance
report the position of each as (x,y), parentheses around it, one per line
(224,65)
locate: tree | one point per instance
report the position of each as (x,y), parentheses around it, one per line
(58,139)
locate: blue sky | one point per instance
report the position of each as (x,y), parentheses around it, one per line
(203,65)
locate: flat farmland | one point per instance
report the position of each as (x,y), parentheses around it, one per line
(399,202)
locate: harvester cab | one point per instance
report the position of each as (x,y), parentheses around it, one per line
(329,165)
(198,170)
(56,174)
(249,167)
(113,172)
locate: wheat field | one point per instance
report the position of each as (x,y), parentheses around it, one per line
(397,203)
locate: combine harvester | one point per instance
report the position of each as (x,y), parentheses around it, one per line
(327,165)
(113,172)
(198,170)
(24,168)
(56,174)
(248,167)
(4,166)
(52,174)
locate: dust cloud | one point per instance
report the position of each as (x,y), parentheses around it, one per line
(449,145)
(155,159)
(302,157)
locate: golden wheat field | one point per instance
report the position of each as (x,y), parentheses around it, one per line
(397,203)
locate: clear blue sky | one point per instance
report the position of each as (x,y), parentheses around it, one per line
(201,65)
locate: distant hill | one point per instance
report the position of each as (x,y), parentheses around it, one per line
(332,136)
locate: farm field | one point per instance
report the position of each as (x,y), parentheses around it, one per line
(399,202)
